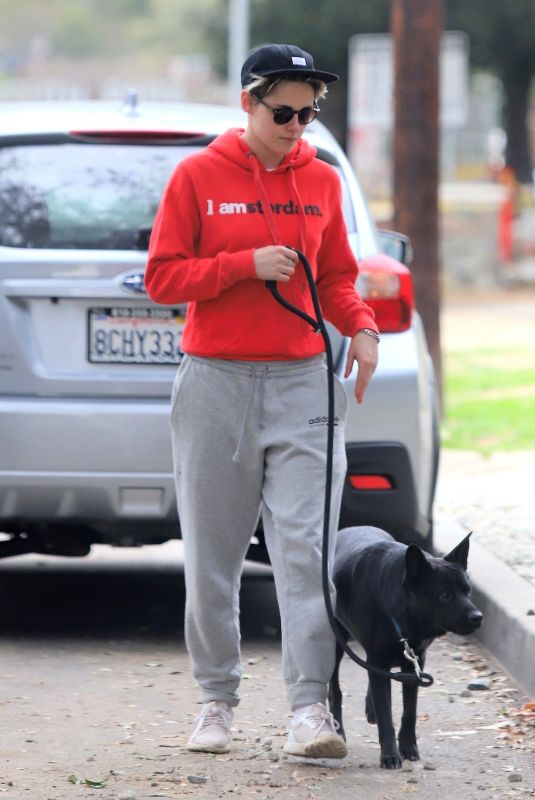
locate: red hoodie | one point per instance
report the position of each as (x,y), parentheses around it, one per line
(218,207)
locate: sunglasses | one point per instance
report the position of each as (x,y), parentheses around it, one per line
(283,114)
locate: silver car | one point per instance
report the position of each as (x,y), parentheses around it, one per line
(87,360)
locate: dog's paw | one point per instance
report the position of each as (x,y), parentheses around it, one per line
(391,761)
(409,751)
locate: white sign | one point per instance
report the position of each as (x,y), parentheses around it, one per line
(371,80)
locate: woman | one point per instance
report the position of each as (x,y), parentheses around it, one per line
(252,385)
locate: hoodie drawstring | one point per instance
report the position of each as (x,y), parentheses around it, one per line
(301,220)
(264,199)
(236,456)
(261,394)
(262,389)
(266,205)
(276,239)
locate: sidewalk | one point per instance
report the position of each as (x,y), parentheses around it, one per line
(493,497)
(507,601)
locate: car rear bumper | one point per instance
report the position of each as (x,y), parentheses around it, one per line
(122,508)
(127,506)
(53,435)
(103,464)
(55,470)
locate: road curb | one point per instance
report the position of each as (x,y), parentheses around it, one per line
(505,598)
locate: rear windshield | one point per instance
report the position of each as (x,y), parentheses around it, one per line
(90,196)
(82,196)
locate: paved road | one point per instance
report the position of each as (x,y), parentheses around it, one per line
(96,685)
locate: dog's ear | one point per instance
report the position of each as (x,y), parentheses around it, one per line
(459,554)
(416,565)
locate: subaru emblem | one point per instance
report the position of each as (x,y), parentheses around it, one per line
(134,283)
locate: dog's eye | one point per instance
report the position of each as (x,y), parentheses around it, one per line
(445,596)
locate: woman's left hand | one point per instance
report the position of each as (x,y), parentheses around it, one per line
(363,349)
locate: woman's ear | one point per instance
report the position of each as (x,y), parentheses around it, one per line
(246,101)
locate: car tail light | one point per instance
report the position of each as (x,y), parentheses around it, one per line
(386,286)
(370,482)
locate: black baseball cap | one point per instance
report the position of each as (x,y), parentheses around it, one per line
(282,60)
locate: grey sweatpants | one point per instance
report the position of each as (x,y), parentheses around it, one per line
(250,438)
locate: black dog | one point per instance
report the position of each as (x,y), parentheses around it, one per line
(386,591)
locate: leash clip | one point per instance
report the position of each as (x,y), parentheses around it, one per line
(411,656)
(409,653)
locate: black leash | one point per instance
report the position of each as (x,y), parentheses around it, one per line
(318,325)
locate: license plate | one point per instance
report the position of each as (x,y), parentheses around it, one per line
(123,335)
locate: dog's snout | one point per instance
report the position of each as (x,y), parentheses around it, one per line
(475,618)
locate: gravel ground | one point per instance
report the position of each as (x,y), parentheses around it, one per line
(491,496)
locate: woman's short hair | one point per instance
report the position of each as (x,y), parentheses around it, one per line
(261,86)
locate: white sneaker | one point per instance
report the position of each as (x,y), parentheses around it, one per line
(212,732)
(313,734)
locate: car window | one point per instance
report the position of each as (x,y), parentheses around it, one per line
(82,196)
(90,196)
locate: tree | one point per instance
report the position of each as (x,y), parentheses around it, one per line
(417,28)
(86,30)
(502,37)
(502,33)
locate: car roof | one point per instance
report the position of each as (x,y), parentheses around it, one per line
(20,118)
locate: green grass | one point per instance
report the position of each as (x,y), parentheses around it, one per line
(489,400)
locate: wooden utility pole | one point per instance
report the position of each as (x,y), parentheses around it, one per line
(416,28)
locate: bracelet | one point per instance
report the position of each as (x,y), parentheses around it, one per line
(370,332)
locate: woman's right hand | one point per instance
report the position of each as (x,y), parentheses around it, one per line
(275,263)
